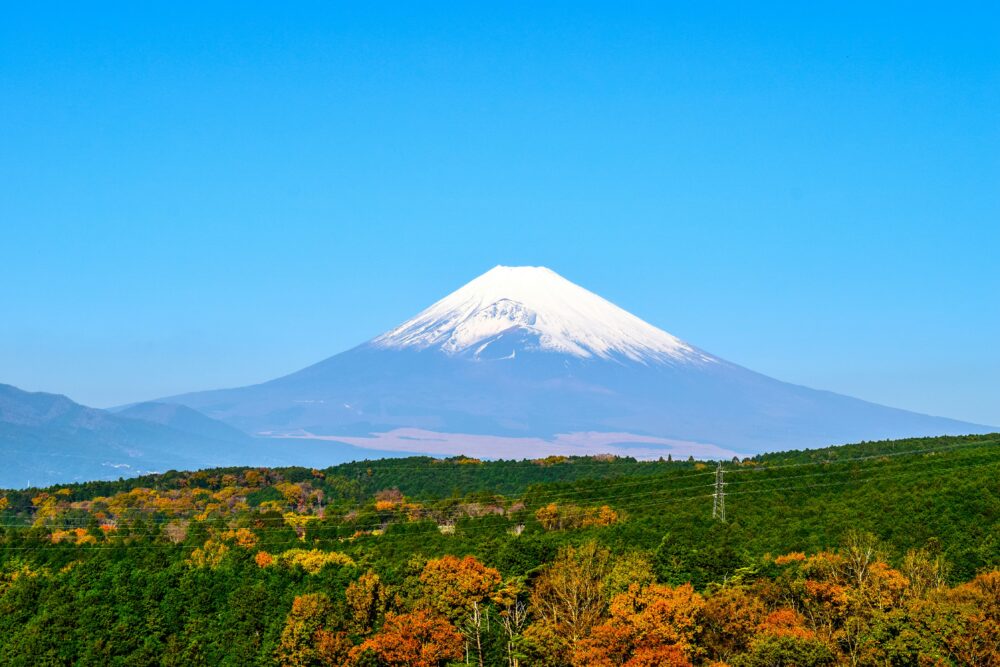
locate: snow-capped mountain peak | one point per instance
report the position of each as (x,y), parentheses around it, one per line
(552,313)
(513,365)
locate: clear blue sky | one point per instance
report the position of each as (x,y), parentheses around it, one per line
(194,197)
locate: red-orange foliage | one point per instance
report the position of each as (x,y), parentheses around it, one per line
(658,656)
(332,648)
(730,619)
(460,589)
(794,557)
(453,584)
(652,625)
(418,639)
(966,619)
(785,623)
(883,587)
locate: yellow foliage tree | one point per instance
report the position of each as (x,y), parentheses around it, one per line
(243,537)
(367,600)
(567,601)
(305,639)
(311,560)
(209,556)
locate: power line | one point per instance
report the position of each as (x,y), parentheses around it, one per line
(386,465)
(438,515)
(869,457)
(470,530)
(640,493)
(634,480)
(859,481)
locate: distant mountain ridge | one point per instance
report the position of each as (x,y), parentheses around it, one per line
(183,419)
(522,359)
(47,438)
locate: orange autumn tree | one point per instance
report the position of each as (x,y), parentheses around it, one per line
(964,621)
(652,625)
(730,618)
(421,638)
(985,593)
(461,589)
(783,639)
(847,598)
(816,588)
(388,499)
(453,584)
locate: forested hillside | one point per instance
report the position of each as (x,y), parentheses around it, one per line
(884,553)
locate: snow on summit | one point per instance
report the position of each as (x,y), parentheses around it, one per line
(554,314)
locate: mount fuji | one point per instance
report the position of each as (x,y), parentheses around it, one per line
(521,362)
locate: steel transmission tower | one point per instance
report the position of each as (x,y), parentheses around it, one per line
(719,497)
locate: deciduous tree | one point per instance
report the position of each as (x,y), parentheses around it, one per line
(418,639)
(461,589)
(567,600)
(306,640)
(656,622)
(367,600)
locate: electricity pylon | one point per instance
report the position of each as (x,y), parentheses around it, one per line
(719,497)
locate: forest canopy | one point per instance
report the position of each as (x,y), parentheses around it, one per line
(874,553)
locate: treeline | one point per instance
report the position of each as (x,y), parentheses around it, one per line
(233,603)
(877,553)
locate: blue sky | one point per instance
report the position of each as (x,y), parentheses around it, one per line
(197,197)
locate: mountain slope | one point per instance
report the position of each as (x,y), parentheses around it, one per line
(521,360)
(184,419)
(47,438)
